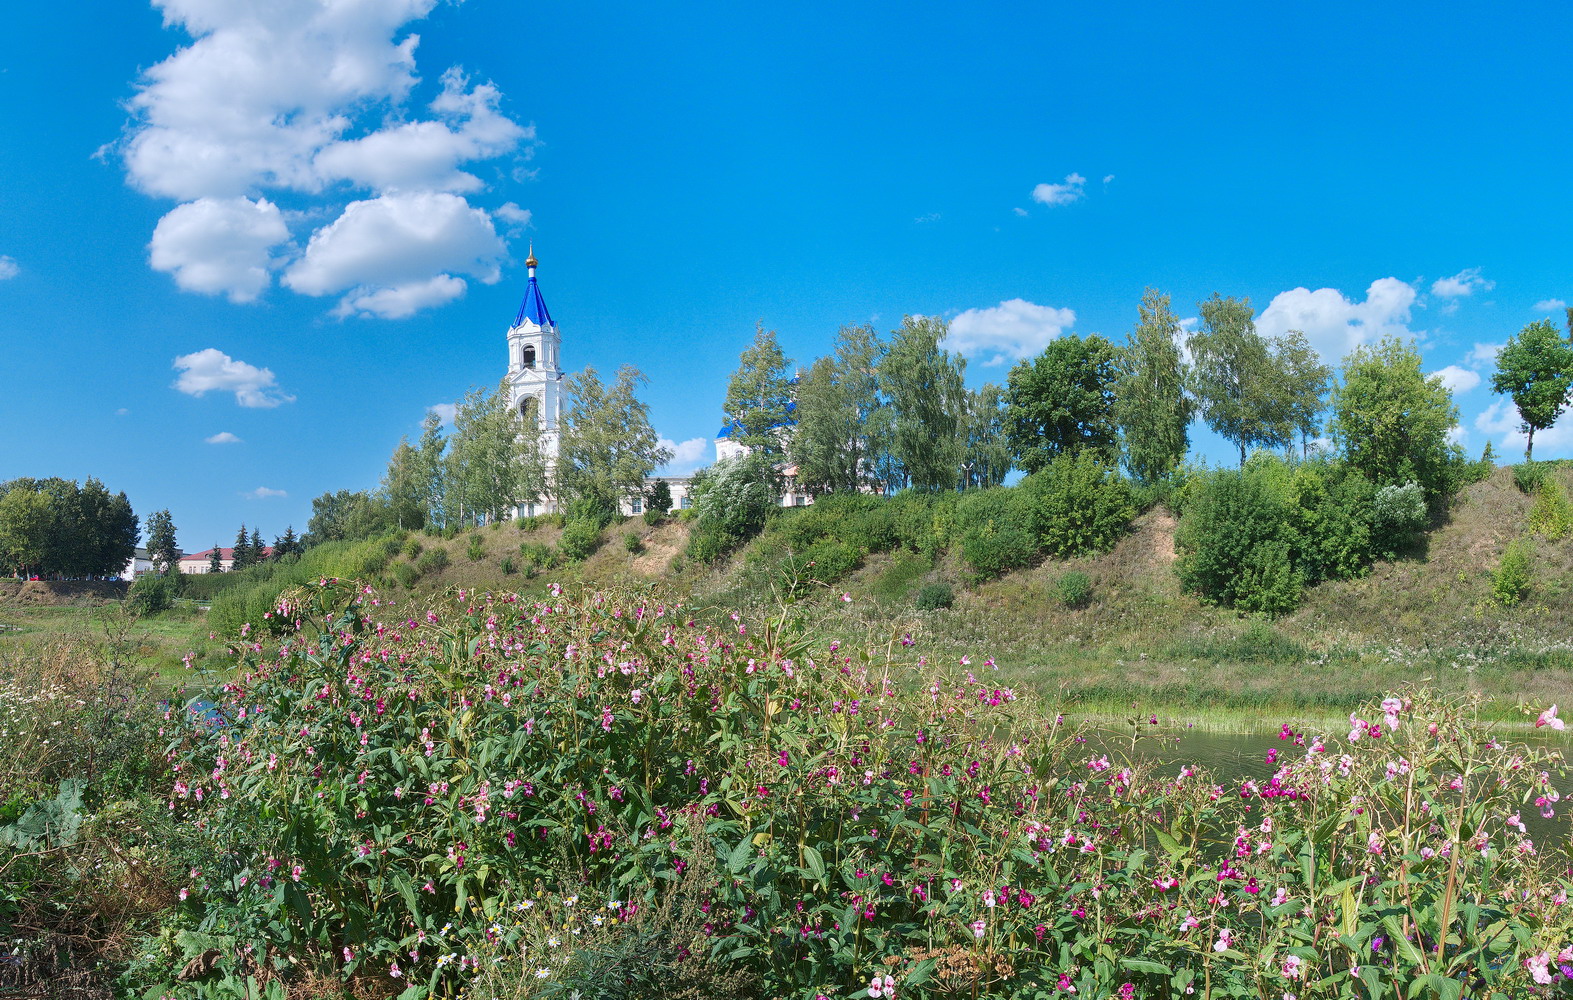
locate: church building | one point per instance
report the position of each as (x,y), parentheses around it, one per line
(536,390)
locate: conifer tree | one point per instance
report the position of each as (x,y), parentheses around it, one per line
(161,547)
(215,559)
(241,555)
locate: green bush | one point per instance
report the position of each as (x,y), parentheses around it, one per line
(829,560)
(708,543)
(1330,507)
(738,496)
(632,543)
(432,561)
(1551,515)
(1528,476)
(653,517)
(152,593)
(934,596)
(537,554)
(1510,583)
(995,538)
(1261,643)
(1235,541)
(1077,505)
(477,549)
(1398,516)
(579,540)
(406,574)
(508,568)
(413,547)
(1074,589)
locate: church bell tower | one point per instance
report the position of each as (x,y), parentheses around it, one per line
(535,374)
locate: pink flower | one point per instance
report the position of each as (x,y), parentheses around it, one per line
(1538,967)
(1291,967)
(882,986)
(1549,718)
(1225,939)
(977,928)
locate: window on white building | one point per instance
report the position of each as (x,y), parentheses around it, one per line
(684,505)
(636,505)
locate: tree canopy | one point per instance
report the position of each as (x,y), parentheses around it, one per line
(1062,401)
(1535,368)
(758,404)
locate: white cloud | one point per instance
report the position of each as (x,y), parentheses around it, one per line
(223,437)
(1457,379)
(402,300)
(1108,178)
(1061,194)
(8,267)
(1456,435)
(264,493)
(212,369)
(219,245)
(930,217)
(1544,305)
(1012,330)
(122,412)
(686,455)
(1501,420)
(516,217)
(1020,211)
(445,411)
(408,245)
(1461,285)
(1335,325)
(1483,355)
(310,97)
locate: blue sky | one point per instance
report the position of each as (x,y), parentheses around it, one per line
(298,224)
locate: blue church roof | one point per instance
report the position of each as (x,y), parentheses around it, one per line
(533,308)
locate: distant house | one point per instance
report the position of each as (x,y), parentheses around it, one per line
(201,562)
(139,564)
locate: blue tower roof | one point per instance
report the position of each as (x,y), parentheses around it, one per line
(533,308)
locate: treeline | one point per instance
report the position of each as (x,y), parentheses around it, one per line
(493,462)
(57,528)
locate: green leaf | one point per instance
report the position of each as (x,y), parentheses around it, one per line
(738,860)
(816,863)
(919,973)
(1169,844)
(1143,965)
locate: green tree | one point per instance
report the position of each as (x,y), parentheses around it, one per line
(1392,422)
(406,487)
(242,555)
(1235,378)
(161,547)
(346,516)
(430,483)
(1535,368)
(1062,401)
(925,406)
(258,550)
(659,499)
(215,559)
(608,447)
(987,456)
(495,461)
(836,436)
(110,538)
(759,396)
(287,544)
(24,529)
(1150,403)
(1303,382)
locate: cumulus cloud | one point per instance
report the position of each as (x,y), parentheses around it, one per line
(686,455)
(393,244)
(1483,355)
(1010,331)
(445,411)
(1336,325)
(1457,379)
(1073,189)
(314,98)
(212,370)
(1461,285)
(1501,420)
(1544,305)
(8,267)
(219,246)
(263,493)
(223,437)
(518,219)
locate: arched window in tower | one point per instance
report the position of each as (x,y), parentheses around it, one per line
(529,355)
(529,410)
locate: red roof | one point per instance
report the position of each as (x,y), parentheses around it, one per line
(225,555)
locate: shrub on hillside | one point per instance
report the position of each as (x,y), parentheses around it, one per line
(934,596)
(537,554)
(1331,511)
(1077,505)
(924,522)
(432,561)
(413,547)
(1074,590)
(632,543)
(995,536)
(1528,476)
(1551,516)
(737,496)
(579,540)
(1235,541)
(1510,583)
(477,548)
(152,593)
(1398,516)
(406,574)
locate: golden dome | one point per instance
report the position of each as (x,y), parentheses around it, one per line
(530,261)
